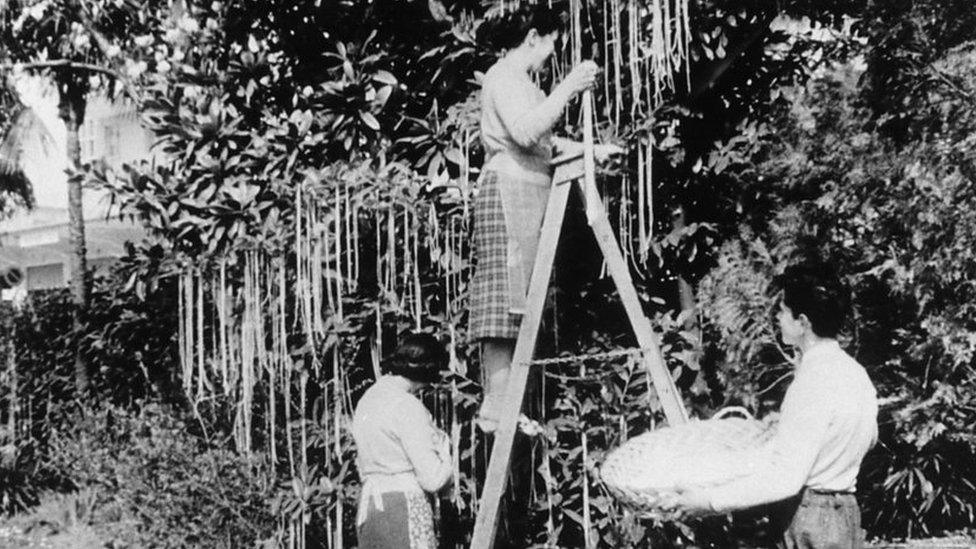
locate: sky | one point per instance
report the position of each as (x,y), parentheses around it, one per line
(45,168)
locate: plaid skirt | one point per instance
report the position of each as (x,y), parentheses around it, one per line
(490,312)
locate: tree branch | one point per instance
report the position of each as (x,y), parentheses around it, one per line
(66,64)
(955,86)
(932,71)
(62,64)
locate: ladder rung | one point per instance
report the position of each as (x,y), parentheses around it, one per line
(569,359)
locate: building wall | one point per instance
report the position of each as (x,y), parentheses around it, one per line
(113,133)
(45,277)
(37,241)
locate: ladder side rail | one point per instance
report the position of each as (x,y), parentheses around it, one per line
(486,523)
(653,359)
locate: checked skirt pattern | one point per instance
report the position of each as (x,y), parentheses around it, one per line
(489,315)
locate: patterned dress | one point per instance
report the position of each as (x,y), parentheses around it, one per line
(489,315)
(398,520)
(399,462)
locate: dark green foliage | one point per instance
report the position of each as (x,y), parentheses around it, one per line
(130,343)
(601,403)
(891,215)
(18,490)
(907,73)
(156,484)
(275,94)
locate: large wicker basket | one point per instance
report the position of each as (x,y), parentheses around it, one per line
(648,467)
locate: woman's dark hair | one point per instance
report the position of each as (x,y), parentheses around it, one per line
(419,357)
(508,30)
(815,290)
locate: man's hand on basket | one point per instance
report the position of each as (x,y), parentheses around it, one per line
(687,503)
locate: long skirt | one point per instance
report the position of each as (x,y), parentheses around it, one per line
(404,520)
(508,215)
(825,521)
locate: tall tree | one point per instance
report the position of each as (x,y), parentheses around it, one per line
(78,44)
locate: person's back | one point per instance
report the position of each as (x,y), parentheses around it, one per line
(402,456)
(850,403)
(376,426)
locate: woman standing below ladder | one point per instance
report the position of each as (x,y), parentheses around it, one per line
(402,455)
(516,124)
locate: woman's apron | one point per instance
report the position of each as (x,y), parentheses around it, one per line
(524,196)
(394,513)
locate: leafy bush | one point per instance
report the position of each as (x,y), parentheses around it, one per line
(156,484)
(888,216)
(61,521)
(129,341)
(18,491)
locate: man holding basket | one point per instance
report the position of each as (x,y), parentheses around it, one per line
(827,424)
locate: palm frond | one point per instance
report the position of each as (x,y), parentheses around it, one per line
(24,130)
(14,182)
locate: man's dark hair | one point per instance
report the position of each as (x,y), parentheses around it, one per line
(815,290)
(508,30)
(419,357)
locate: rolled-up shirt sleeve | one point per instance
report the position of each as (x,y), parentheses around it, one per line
(780,469)
(419,438)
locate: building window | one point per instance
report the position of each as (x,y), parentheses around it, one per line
(112,137)
(43,277)
(86,138)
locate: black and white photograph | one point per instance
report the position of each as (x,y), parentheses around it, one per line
(488,274)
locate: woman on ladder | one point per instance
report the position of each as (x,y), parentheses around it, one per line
(517,119)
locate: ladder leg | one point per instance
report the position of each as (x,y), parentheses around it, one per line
(653,360)
(486,523)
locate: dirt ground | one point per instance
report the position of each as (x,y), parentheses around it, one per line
(953,542)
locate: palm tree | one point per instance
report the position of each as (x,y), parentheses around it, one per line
(89,38)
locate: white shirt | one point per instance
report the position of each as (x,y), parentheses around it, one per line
(828,422)
(396,435)
(515,141)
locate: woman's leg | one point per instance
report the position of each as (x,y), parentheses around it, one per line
(496,362)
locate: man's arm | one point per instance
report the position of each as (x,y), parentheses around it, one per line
(782,468)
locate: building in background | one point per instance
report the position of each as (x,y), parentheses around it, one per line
(37,241)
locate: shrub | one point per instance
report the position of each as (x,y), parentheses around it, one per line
(889,216)
(158,485)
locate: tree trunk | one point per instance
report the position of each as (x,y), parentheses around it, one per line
(8,456)
(72,91)
(686,293)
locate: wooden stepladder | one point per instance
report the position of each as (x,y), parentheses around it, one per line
(569,171)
